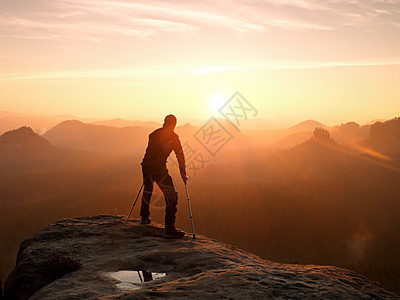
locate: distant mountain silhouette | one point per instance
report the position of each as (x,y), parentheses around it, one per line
(22,140)
(374,121)
(384,138)
(315,147)
(39,124)
(22,150)
(386,131)
(74,134)
(132,141)
(240,140)
(286,137)
(125,123)
(259,124)
(347,133)
(292,140)
(320,157)
(350,133)
(307,125)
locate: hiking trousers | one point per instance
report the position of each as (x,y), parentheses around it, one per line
(164,181)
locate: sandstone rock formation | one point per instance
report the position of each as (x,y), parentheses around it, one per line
(79,259)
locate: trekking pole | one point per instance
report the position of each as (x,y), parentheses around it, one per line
(134,202)
(190,210)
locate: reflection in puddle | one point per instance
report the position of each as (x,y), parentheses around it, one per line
(130,278)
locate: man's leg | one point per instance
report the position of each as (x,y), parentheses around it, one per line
(148,190)
(171,199)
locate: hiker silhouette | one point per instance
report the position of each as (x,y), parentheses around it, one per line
(162,142)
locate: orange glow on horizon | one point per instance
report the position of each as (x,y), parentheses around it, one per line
(107,59)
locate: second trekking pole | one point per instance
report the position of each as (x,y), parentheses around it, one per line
(190,210)
(134,202)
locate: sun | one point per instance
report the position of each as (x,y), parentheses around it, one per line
(216,101)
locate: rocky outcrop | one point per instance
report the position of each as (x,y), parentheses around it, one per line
(83,258)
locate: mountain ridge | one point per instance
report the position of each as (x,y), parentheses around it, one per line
(21,140)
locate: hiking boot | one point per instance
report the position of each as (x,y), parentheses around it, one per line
(145,221)
(173,233)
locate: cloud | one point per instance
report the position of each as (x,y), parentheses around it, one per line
(144,73)
(117,73)
(304,4)
(164,11)
(89,20)
(296,25)
(328,14)
(317,26)
(94,20)
(323,65)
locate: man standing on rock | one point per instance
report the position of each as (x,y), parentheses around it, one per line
(154,167)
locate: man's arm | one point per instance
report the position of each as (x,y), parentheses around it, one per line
(181,158)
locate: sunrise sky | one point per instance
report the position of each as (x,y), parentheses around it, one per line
(333,61)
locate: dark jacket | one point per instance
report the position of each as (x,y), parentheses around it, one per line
(161,143)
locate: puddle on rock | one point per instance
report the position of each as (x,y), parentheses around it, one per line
(129,279)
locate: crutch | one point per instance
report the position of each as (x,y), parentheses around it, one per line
(190,210)
(134,202)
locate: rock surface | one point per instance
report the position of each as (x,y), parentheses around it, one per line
(195,269)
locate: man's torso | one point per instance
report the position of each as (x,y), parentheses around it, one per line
(161,143)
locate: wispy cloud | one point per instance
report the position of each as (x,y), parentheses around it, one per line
(332,14)
(151,17)
(142,74)
(95,19)
(89,20)
(304,4)
(140,25)
(179,12)
(324,65)
(296,25)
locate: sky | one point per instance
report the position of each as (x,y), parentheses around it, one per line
(333,61)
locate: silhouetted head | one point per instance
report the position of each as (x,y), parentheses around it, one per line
(170,122)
